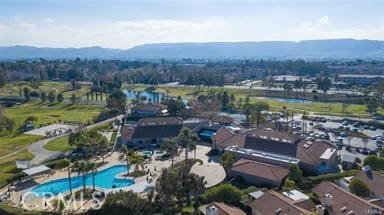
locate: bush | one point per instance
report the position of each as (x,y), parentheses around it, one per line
(359,188)
(223,193)
(136,174)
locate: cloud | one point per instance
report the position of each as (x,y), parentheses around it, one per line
(324,20)
(116,34)
(48,20)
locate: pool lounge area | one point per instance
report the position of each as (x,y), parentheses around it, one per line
(104,179)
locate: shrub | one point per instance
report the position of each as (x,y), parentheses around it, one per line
(136,174)
(223,193)
(359,188)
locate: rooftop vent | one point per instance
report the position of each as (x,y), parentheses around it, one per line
(343,209)
(278,211)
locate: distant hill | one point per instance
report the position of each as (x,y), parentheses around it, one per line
(309,49)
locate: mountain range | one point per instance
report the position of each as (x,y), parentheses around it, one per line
(308,49)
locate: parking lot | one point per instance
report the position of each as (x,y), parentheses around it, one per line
(351,136)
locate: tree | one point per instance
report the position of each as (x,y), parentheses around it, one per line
(51,97)
(376,163)
(226,193)
(117,101)
(27,94)
(187,140)
(227,160)
(126,202)
(73,98)
(372,105)
(43,96)
(3,76)
(60,98)
(295,173)
(83,168)
(137,160)
(359,188)
(258,107)
(93,167)
(324,84)
(65,163)
(124,151)
(170,146)
(289,185)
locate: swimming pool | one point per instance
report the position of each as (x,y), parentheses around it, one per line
(103,179)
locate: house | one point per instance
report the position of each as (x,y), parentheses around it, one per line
(205,131)
(348,161)
(259,173)
(149,109)
(317,156)
(218,208)
(150,131)
(374,181)
(272,202)
(278,148)
(335,200)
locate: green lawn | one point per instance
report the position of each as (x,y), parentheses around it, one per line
(13,88)
(326,108)
(59,144)
(47,113)
(11,143)
(8,165)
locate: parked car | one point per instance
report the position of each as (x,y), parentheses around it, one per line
(366,126)
(373,128)
(344,123)
(377,137)
(355,130)
(323,120)
(356,124)
(343,134)
(364,151)
(310,123)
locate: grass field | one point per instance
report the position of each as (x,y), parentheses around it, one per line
(11,143)
(14,88)
(326,108)
(59,144)
(47,113)
(8,165)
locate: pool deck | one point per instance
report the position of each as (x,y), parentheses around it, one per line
(141,185)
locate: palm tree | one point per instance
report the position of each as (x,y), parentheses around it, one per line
(304,119)
(170,146)
(137,160)
(187,140)
(67,163)
(124,151)
(93,167)
(82,167)
(102,146)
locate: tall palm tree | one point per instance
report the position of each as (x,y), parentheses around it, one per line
(137,160)
(187,140)
(304,119)
(82,167)
(170,146)
(67,163)
(93,167)
(124,151)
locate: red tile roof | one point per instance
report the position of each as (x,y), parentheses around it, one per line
(342,199)
(373,180)
(311,153)
(227,210)
(261,170)
(272,203)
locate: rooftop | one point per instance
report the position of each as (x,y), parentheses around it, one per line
(342,201)
(261,154)
(261,170)
(374,181)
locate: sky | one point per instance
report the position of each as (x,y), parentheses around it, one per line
(125,24)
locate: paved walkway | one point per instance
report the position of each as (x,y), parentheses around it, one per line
(42,154)
(213,173)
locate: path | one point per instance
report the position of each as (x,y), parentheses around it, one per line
(42,154)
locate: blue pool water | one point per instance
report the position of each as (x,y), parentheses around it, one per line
(103,179)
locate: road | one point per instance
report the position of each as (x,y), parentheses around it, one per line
(42,154)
